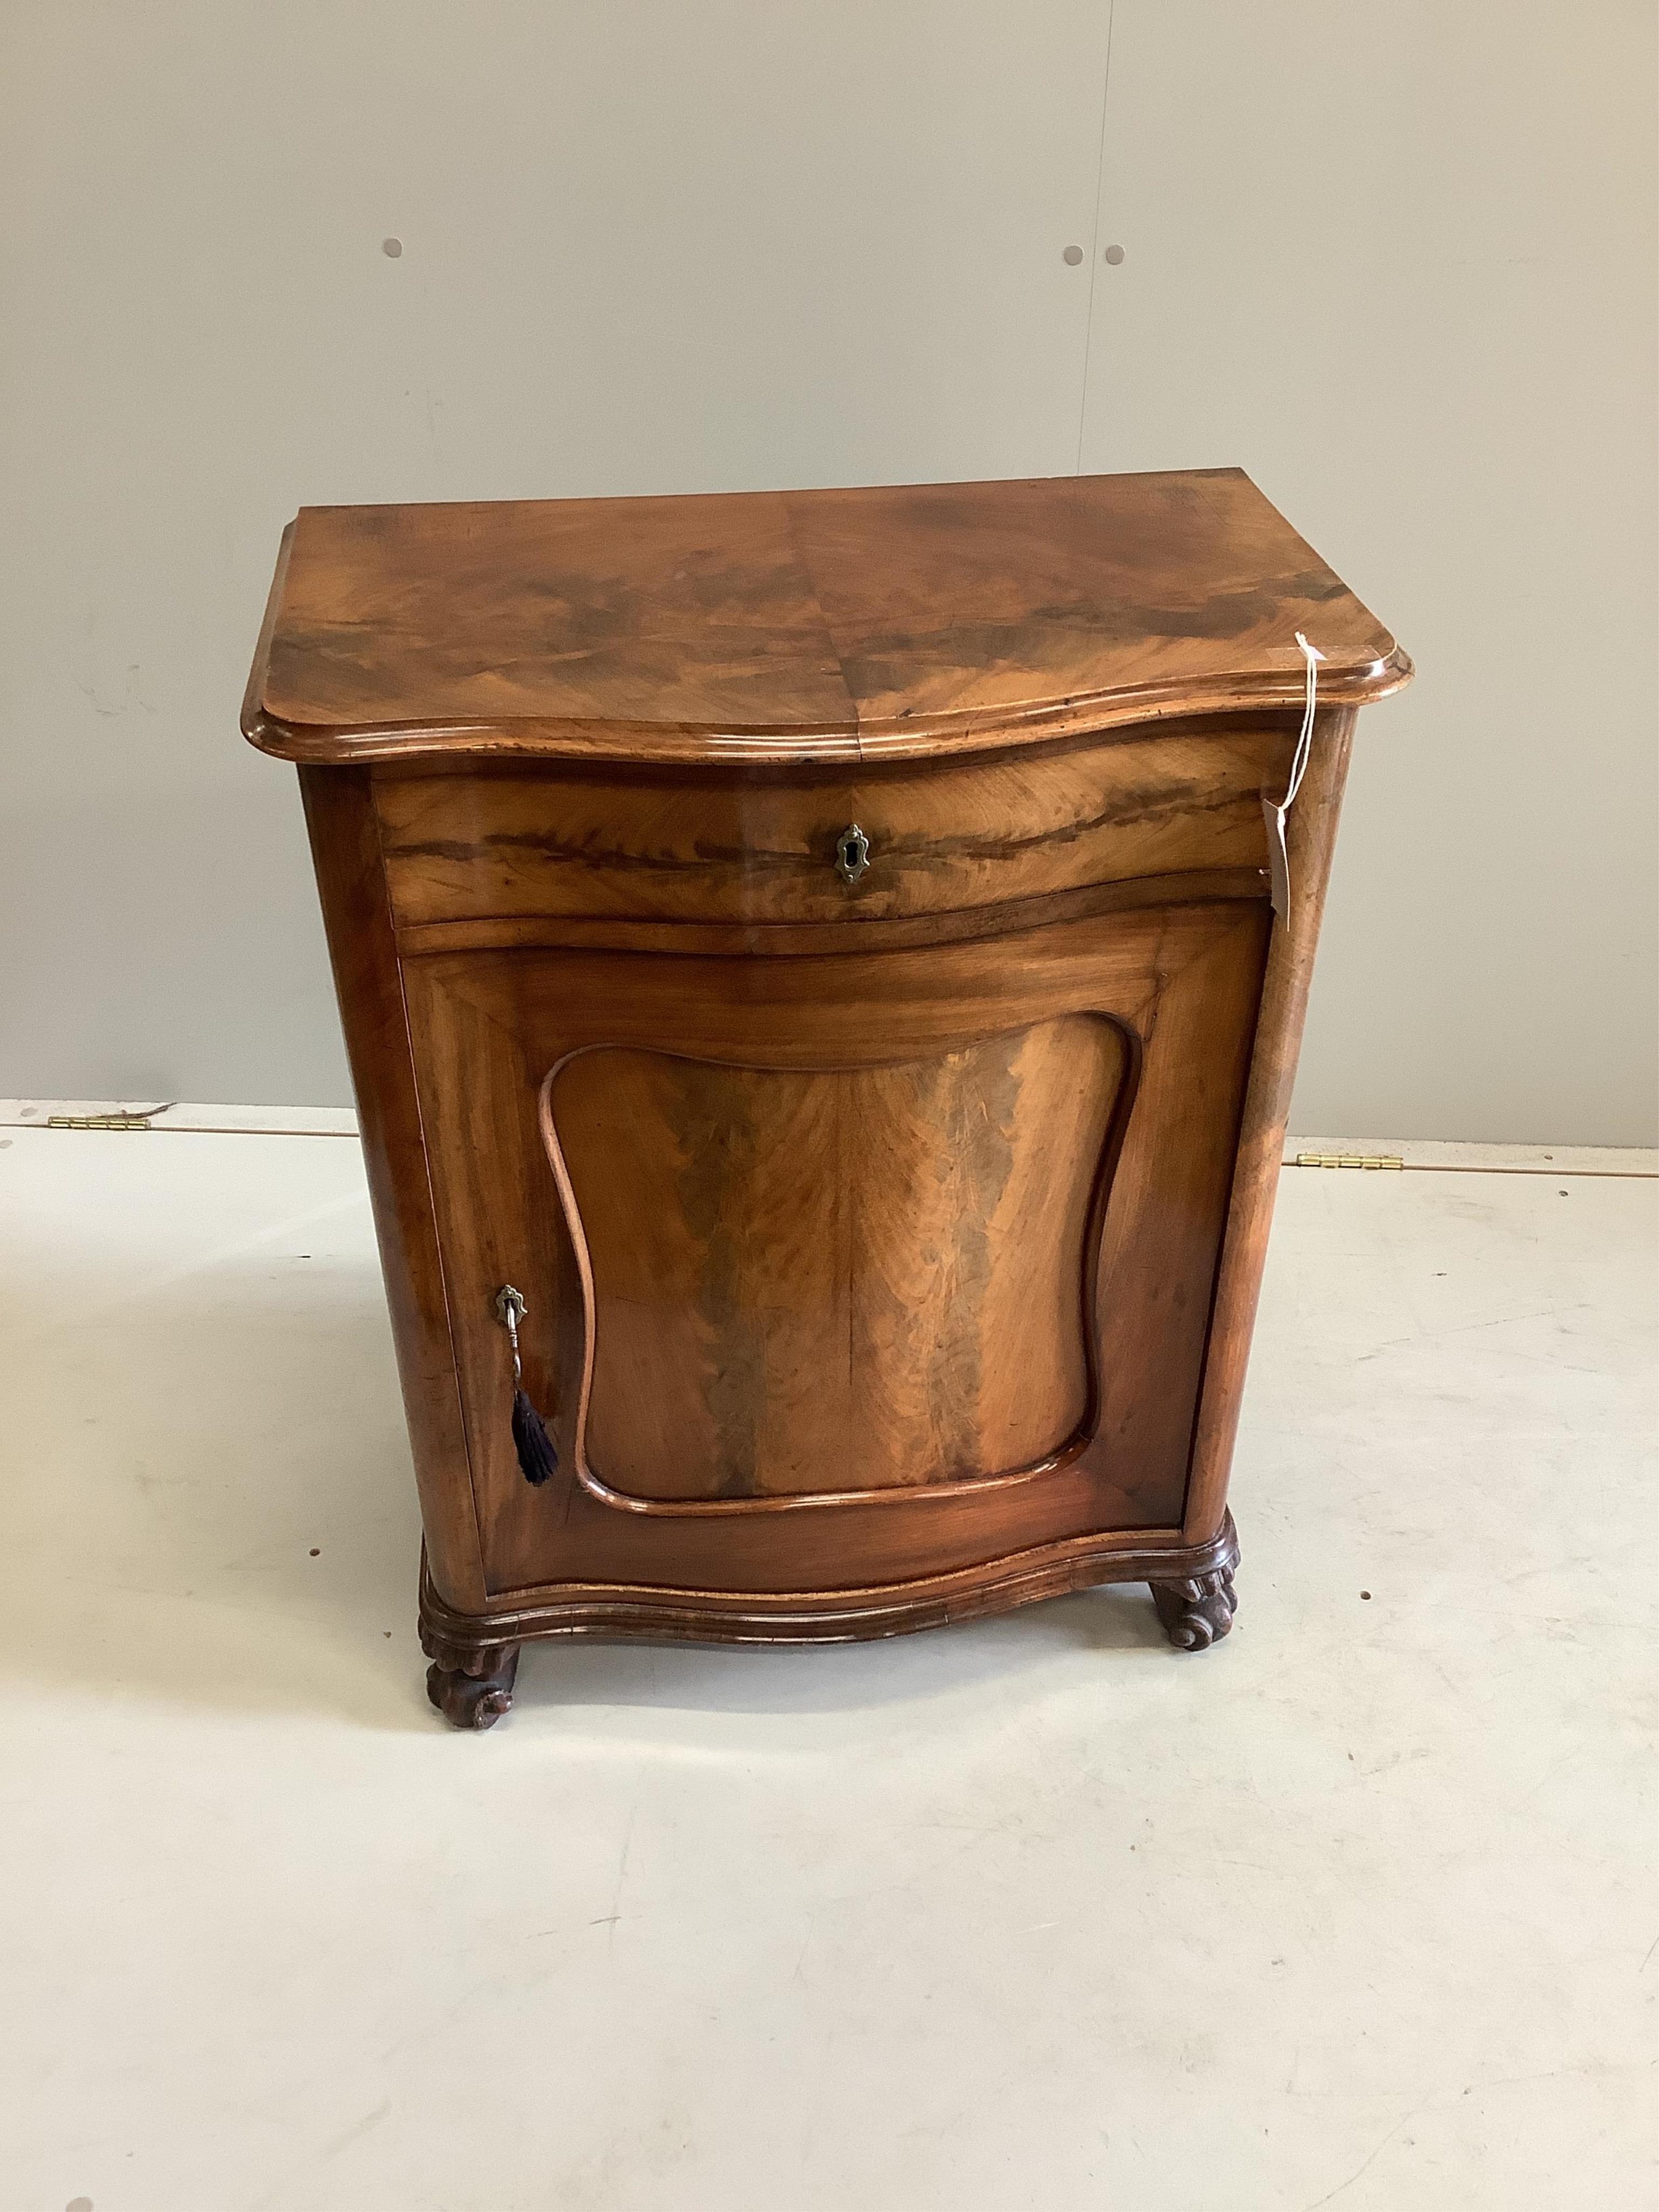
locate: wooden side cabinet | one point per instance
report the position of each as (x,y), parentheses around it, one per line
(816,965)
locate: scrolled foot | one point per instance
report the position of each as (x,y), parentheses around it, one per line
(1198,1612)
(474,1700)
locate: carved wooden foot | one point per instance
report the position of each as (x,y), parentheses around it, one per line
(1198,1612)
(476,1689)
(474,1701)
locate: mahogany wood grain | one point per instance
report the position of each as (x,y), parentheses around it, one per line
(956,925)
(1310,840)
(1182,981)
(851,625)
(762,849)
(471,1642)
(356,916)
(877,1271)
(891,1245)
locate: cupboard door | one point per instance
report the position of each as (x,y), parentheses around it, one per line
(845,1278)
(840,1268)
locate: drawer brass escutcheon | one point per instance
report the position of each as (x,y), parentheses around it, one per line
(852,853)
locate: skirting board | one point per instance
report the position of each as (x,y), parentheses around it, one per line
(157,1116)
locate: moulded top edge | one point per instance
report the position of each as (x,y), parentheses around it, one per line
(892,621)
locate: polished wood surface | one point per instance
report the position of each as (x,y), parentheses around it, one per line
(1311,839)
(356,915)
(816,948)
(847,625)
(942,837)
(1181,982)
(475,1643)
(877,1271)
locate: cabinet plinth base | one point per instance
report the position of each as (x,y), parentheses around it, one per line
(475,1656)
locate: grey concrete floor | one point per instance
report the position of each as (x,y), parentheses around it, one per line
(1357,1909)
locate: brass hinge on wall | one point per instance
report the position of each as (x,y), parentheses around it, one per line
(1348,1160)
(140,1120)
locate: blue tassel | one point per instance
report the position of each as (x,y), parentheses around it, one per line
(537,1457)
(535,1447)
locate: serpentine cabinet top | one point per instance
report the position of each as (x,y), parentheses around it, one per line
(788,628)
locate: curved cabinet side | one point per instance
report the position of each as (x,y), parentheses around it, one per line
(345,846)
(1310,840)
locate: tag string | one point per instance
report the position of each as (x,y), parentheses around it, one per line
(1273,812)
(1313,656)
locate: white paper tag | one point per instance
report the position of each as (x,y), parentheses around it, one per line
(1279,860)
(1274,810)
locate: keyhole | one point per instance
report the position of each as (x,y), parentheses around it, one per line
(852,852)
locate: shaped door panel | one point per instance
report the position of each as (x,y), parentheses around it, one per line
(813,1282)
(920,1244)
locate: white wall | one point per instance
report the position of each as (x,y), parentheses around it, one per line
(1397,260)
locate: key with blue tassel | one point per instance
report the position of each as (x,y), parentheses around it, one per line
(530,1440)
